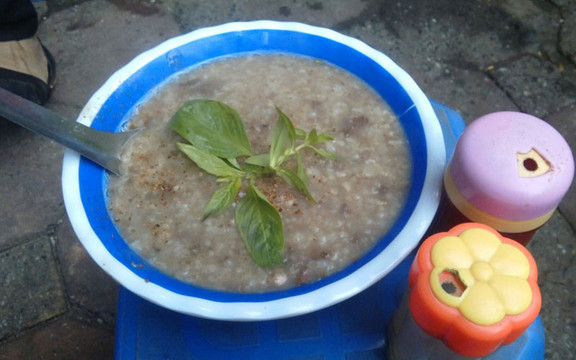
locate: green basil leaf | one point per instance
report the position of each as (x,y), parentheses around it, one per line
(222,199)
(322,138)
(314,138)
(213,127)
(283,138)
(257,170)
(209,163)
(233,163)
(301,172)
(293,179)
(300,134)
(261,228)
(258,164)
(325,153)
(260,160)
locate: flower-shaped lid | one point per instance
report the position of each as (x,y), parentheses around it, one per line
(474,289)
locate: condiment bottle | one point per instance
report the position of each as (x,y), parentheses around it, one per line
(471,290)
(509,170)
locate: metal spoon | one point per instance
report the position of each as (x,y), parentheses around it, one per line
(104,148)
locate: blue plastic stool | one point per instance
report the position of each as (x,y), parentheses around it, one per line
(352,330)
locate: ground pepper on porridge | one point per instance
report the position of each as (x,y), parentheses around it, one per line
(158,204)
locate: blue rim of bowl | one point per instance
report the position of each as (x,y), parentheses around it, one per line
(84,183)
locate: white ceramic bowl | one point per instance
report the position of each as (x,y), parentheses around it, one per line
(84,183)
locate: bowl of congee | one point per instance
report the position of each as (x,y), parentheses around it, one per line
(280,168)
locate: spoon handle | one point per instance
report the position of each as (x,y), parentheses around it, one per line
(104,148)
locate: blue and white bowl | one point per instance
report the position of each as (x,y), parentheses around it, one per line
(84,183)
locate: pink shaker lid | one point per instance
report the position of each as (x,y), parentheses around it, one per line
(512,165)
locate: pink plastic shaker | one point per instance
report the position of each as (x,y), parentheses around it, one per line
(510,171)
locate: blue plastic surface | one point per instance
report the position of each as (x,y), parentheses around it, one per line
(352,330)
(355,329)
(452,126)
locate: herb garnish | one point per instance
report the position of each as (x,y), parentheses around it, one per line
(218,144)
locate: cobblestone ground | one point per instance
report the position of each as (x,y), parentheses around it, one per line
(475,56)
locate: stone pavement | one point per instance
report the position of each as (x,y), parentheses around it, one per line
(476,56)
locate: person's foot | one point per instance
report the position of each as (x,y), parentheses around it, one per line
(27,69)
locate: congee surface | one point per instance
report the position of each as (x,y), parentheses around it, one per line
(158,203)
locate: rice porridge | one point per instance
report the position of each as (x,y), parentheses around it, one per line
(158,203)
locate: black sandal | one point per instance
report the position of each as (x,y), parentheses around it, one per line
(28,86)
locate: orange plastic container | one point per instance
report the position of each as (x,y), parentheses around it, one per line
(473,289)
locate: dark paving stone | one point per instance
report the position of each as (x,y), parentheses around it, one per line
(468,90)
(57,5)
(554,249)
(30,286)
(30,194)
(471,93)
(92,41)
(565,122)
(193,14)
(557,313)
(472,33)
(538,87)
(567,33)
(63,339)
(88,286)
(563,3)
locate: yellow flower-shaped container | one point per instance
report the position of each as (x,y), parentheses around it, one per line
(474,289)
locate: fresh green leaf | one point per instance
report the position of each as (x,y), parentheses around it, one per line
(260,160)
(257,170)
(222,199)
(315,138)
(218,139)
(209,163)
(293,179)
(283,138)
(221,180)
(300,134)
(300,171)
(325,153)
(261,228)
(258,164)
(322,138)
(213,127)
(233,162)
